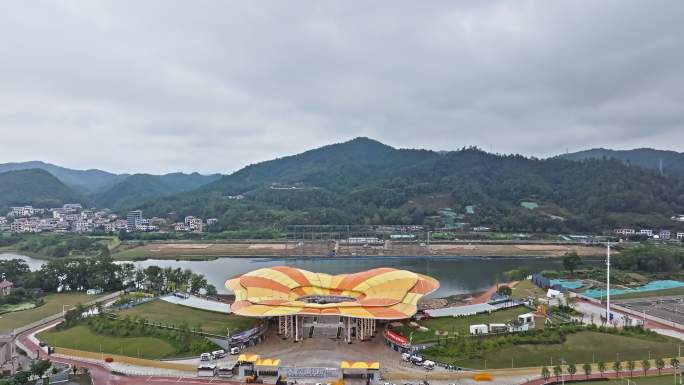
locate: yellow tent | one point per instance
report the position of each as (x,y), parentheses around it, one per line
(359,365)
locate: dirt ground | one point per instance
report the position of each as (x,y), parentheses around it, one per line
(282,249)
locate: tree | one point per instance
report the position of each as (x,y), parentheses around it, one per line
(504,290)
(660,364)
(587,369)
(571,261)
(545,373)
(630,366)
(601,367)
(557,371)
(646,365)
(617,367)
(39,367)
(22,378)
(674,362)
(572,369)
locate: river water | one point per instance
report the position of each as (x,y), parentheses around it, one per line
(457,275)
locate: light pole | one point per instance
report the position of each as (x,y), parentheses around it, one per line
(608,283)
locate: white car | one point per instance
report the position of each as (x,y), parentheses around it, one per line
(234,350)
(218,354)
(205,357)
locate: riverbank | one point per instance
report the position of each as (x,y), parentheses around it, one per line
(275,249)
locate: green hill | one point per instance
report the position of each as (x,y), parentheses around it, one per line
(138,187)
(34,187)
(366,182)
(85,180)
(670,162)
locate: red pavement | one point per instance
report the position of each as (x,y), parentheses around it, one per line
(102,376)
(487,295)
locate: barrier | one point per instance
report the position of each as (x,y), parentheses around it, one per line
(125,359)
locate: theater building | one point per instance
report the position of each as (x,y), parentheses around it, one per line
(346,306)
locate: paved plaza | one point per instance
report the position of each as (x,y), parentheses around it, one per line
(668,308)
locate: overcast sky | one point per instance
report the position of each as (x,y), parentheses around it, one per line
(160,86)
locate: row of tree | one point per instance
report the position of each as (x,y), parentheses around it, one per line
(601,366)
(79,274)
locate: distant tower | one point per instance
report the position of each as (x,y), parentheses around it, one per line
(660,166)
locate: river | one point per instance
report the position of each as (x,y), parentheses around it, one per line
(457,275)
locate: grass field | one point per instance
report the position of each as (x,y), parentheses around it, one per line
(460,324)
(526,289)
(579,348)
(648,294)
(17,307)
(81,338)
(53,305)
(168,313)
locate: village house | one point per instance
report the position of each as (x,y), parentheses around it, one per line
(5,287)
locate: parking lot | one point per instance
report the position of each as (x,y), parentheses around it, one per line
(667,308)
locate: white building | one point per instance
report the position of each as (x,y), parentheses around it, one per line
(625,231)
(646,232)
(680,236)
(21,211)
(479,329)
(665,234)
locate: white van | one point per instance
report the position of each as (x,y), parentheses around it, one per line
(205,357)
(428,365)
(218,354)
(416,360)
(234,350)
(405,357)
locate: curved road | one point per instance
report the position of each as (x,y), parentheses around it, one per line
(102,376)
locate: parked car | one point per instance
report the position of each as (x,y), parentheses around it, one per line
(234,350)
(218,354)
(205,357)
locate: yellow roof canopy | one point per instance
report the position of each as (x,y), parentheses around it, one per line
(248,358)
(268,362)
(359,365)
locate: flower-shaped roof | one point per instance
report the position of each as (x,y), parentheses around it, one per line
(383,293)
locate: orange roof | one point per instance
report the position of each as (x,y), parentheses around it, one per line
(383,293)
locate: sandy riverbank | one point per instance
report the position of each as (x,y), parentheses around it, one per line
(199,250)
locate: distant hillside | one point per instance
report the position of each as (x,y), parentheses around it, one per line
(366,182)
(86,180)
(34,187)
(672,162)
(138,187)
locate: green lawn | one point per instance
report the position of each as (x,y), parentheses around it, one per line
(526,289)
(460,325)
(81,338)
(168,313)
(578,348)
(53,305)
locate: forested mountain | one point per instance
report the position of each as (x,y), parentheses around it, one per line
(85,180)
(34,187)
(366,182)
(669,162)
(135,188)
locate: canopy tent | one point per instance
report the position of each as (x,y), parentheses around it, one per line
(248,358)
(362,365)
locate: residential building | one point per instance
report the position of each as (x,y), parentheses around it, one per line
(625,231)
(72,207)
(665,234)
(21,211)
(5,287)
(133,219)
(680,236)
(646,232)
(212,221)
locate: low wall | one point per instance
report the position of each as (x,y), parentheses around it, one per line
(126,360)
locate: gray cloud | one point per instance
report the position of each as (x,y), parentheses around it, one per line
(160,86)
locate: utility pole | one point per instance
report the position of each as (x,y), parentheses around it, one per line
(608,284)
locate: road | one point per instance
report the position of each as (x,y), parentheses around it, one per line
(102,376)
